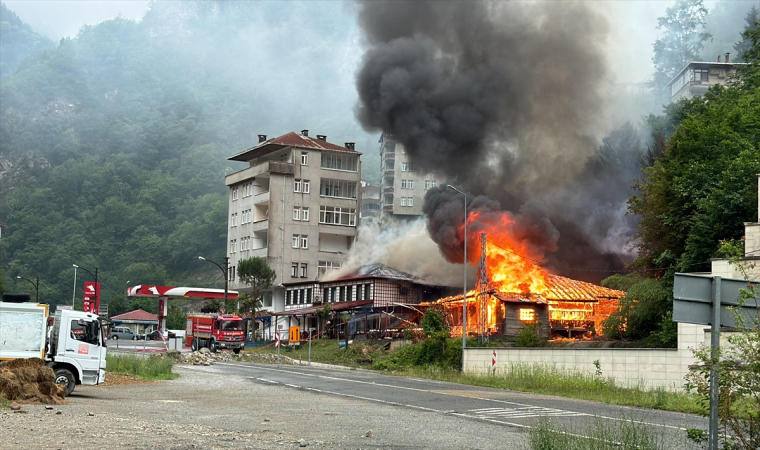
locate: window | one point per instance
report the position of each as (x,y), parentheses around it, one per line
(359,293)
(430,184)
(527,315)
(338,188)
(403,201)
(296,213)
(308,295)
(367,288)
(349,293)
(407,201)
(304,266)
(232,273)
(305,186)
(304,241)
(294,270)
(407,184)
(297,186)
(333,215)
(235,193)
(233,219)
(232,246)
(296,241)
(304,158)
(404,167)
(287,297)
(339,162)
(305,214)
(700,75)
(324,266)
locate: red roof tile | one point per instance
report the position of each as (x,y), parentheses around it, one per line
(291,139)
(137,314)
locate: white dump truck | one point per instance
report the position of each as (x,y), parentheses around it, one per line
(71,342)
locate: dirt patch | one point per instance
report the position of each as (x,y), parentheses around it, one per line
(121,379)
(30,381)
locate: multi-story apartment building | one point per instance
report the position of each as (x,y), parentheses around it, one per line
(403,188)
(369,203)
(296,204)
(697,77)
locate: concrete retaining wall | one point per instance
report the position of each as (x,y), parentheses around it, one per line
(630,366)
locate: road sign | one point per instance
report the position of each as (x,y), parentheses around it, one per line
(693,297)
(295,335)
(705,299)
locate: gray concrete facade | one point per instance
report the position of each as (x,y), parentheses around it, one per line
(296,205)
(403,186)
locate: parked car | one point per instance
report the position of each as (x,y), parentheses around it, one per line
(123,333)
(155,335)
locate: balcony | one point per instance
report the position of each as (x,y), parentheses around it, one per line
(388,208)
(261,197)
(388,190)
(258,170)
(389,173)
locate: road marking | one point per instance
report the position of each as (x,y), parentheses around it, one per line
(524,412)
(507,402)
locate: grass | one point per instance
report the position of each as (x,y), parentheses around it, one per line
(599,435)
(537,378)
(153,368)
(5,403)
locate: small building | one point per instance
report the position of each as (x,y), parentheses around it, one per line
(139,321)
(698,76)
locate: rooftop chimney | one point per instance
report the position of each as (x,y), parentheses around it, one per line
(304,132)
(350,145)
(322,137)
(718,58)
(262,138)
(727,56)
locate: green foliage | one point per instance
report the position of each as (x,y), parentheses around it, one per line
(433,321)
(154,368)
(438,351)
(600,434)
(256,273)
(703,188)
(640,312)
(118,306)
(146,304)
(213,306)
(622,282)
(176,319)
(528,337)
(17,41)
(682,39)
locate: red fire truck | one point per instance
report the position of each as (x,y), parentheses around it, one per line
(217,332)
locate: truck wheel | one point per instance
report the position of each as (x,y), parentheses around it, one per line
(194,345)
(65,378)
(212,346)
(134,338)
(236,350)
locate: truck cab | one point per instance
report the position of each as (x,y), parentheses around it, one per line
(77,349)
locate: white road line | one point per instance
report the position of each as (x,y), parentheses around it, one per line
(312,375)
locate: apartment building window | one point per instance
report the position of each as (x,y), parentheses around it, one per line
(294,270)
(304,270)
(339,162)
(297,186)
(700,75)
(304,241)
(296,213)
(305,214)
(296,240)
(407,184)
(430,184)
(235,193)
(304,158)
(389,164)
(338,188)
(407,167)
(407,201)
(232,273)
(305,186)
(232,246)
(337,216)
(324,266)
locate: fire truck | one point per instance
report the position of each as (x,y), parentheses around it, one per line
(215,332)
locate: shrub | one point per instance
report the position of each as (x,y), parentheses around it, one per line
(528,337)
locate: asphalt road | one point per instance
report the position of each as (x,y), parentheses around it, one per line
(503,411)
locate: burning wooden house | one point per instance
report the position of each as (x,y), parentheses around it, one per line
(565,307)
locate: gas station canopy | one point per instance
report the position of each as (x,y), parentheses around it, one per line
(149,290)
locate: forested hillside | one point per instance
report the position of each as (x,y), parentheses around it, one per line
(17,41)
(114,143)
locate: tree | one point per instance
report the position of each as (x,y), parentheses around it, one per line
(745,44)
(323,314)
(682,39)
(117,306)
(433,321)
(256,273)
(176,319)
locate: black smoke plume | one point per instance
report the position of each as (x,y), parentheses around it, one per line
(505,99)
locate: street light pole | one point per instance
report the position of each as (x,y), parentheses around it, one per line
(464,295)
(74,292)
(36,286)
(224,270)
